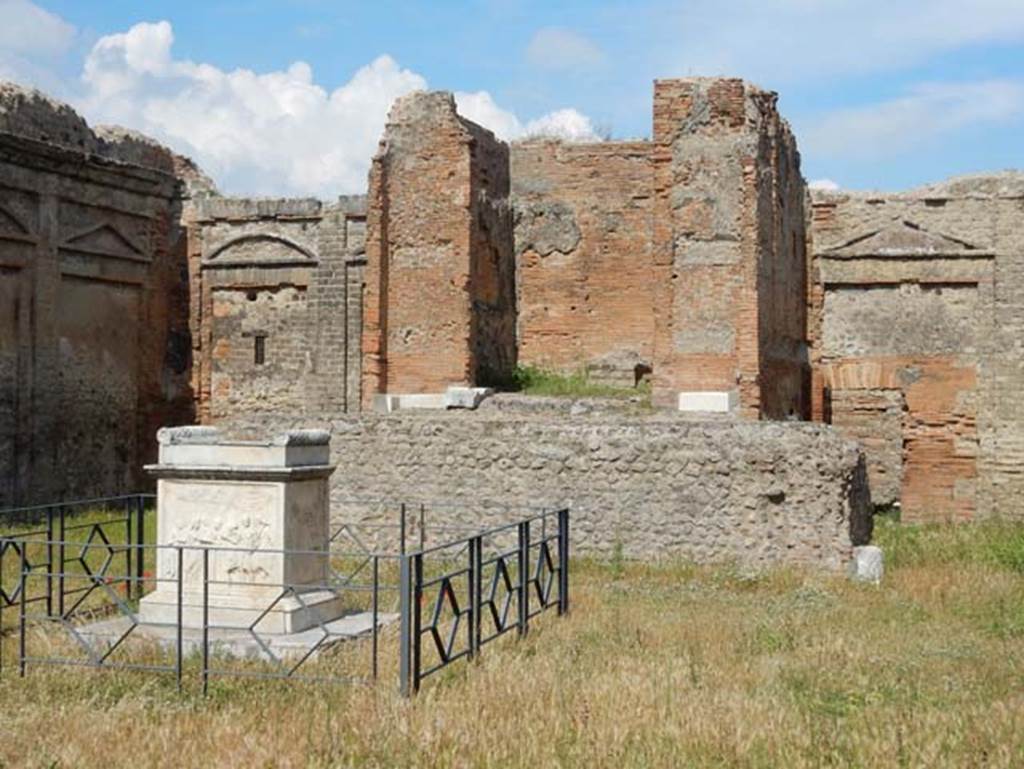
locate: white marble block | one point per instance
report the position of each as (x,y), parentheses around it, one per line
(868,564)
(716,402)
(466,397)
(259,502)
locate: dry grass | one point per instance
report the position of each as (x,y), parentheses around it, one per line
(658,665)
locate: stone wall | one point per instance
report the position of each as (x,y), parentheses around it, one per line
(729,260)
(278,304)
(916,309)
(583,247)
(754,493)
(94,337)
(440,301)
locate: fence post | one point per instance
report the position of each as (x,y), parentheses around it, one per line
(21,605)
(206,619)
(401,530)
(524,577)
(475,577)
(179,640)
(563,561)
(129,541)
(62,523)
(140,541)
(49,561)
(376,610)
(405,626)
(417,618)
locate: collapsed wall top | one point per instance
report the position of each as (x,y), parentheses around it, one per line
(31,114)
(728,243)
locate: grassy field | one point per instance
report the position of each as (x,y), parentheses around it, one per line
(659,665)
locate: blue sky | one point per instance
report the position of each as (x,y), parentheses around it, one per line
(289,96)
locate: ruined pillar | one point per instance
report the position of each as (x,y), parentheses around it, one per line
(729,256)
(440,275)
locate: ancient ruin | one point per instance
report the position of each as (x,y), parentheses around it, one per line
(134,296)
(915,340)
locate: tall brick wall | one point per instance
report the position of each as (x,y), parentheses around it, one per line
(583,245)
(915,305)
(440,303)
(279,304)
(94,338)
(728,255)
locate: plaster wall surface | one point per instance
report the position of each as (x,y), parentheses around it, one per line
(94,351)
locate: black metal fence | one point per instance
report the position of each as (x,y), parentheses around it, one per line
(43,539)
(74,577)
(522,565)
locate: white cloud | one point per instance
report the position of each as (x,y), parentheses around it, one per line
(823,184)
(275,133)
(799,40)
(561,49)
(481,108)
(568,124)
(928,111)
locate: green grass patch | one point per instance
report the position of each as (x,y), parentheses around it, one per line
(997,543)
(532,380)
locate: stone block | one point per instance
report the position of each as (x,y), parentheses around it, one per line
(714,402)
(867,564)
(387,403)
(466,397)
(260,513)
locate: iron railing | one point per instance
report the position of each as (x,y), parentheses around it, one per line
(421,596)
(476,584)
(39,537)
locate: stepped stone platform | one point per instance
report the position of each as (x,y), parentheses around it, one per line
(236,642)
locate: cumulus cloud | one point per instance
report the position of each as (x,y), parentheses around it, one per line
(567,124)
(269,133)
(826,185)
(927,111)
(559,49)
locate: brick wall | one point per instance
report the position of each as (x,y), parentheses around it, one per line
(916,299)
(728,255)
(440,305)
(283,277)
(583,245)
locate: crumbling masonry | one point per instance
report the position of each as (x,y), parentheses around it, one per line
(132,295)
